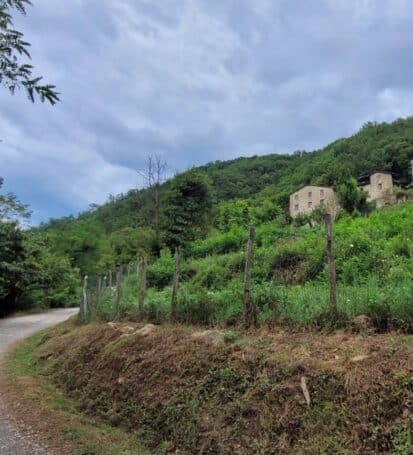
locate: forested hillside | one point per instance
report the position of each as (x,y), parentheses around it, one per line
(205,211)
(257,188)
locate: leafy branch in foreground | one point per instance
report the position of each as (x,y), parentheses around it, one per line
(11,209)
(13,73)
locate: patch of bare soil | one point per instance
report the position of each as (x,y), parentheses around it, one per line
(261,392)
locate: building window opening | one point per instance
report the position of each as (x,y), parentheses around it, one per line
(322,201)
(380,186)
(310,204)
(296,207)
(310,193)
(296,197)
(321,193)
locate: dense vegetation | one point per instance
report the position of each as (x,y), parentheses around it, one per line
(206,212)
(374,259)
(240,190)
(31,274)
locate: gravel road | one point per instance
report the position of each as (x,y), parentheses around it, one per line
(12,442)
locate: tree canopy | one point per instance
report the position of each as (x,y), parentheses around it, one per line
(31,273)
(14,73)
(352,198)
(188,204)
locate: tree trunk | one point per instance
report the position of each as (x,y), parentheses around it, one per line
(331,262)
(142,290)
(250,312)
(175,284)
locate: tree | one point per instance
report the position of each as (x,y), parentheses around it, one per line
(126,245)
(13,73)
(153,176)
(48,279)
(12,256)
(352,198)
(31,274)
(80,242)
(233,214)
(188,204)
(268,210)
(12,252)
(11,209)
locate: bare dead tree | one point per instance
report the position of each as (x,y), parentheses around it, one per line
(153,176)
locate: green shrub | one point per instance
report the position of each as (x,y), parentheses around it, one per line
(219,243)
(160,273)
(211,275)
(195,306)
(158,305)
(401,246)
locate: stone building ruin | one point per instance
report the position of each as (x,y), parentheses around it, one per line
(305,200)
(380,189)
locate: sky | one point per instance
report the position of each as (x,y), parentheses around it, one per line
(194,81)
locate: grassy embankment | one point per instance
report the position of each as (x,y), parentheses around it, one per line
(374,258)
(177,394)
(53,416)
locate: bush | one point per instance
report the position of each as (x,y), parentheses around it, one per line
(195,306)
(224,243)
(401,246)
(160,273)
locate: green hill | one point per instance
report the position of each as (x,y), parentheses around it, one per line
(124,227)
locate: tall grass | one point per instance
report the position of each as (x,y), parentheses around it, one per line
(389,306)
(374,258)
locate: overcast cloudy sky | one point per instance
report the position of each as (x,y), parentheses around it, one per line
(194,81)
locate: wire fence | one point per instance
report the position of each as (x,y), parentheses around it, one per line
(100,289)
(97,290)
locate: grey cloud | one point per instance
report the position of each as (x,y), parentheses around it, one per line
(194,81)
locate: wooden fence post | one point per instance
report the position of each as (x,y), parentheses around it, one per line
(331,262)
(175,284)
(98,291)
(118,289)
(142,289)
(83,310)
(250,311)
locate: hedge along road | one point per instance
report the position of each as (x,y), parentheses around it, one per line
(12,442)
